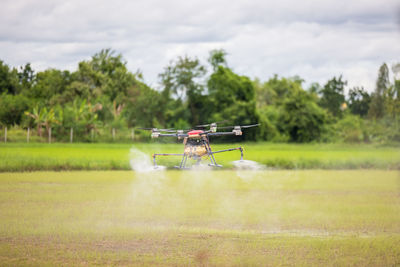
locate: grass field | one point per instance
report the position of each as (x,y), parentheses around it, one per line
(348,214)
(31,157)
(305,217)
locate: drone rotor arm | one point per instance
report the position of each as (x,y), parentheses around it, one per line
(249,126)
(170,130)
(167,135)
(222,134)
(173,135)
(210,124)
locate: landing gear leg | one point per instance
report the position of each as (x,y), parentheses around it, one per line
(183,162)
(163,154)
(211,156)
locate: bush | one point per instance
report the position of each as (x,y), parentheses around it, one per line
(350,129)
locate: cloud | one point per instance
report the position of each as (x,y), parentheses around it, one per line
(313,39)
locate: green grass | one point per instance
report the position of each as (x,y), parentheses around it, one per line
(36,156)
(307,217)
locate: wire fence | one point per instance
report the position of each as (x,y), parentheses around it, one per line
(72,135)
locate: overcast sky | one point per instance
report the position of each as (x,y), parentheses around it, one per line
(314,39)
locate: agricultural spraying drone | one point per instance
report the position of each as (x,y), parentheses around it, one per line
(197,143)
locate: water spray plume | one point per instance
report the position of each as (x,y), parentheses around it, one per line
(247,169)
(247,165)
(141,162)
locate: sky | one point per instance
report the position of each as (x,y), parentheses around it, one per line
(313,39)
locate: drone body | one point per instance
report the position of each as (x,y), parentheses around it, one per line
(194,147)
(196,143)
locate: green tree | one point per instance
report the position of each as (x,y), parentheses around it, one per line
(265,94)
(391,103)
(116,110)
(232,98)
(26,77)
(276,90)
(105,74)
(396,74)
(145,107)
(8,79)
(332,96)
(217,58)
(226,88)
(50,86)
(270,96)
(392,95)
(49,118)
(359,101)
(181,80)
(269,118)
(84,114)
(12,108)
(43,117)
(302,118)
(38,115)
(377,107)
(315,88)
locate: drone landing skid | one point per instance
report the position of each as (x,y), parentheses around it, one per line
(182,168)
(215,165)
(210,154)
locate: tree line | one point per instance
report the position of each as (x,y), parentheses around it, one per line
(102,94)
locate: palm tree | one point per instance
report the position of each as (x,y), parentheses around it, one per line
(116,111)
(49,118)
(42,117)
(91,117)
(38,117)
(85,114)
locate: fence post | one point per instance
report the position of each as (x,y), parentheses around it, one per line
(133,134)
(50,135)
(27,135)
(92,134)
(113,134)
(71,135)
(5,135)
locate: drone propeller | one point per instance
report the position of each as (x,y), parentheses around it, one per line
(226,127)
(249,126)
(178,131)
(210,124)
(243,127)
(157,130)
